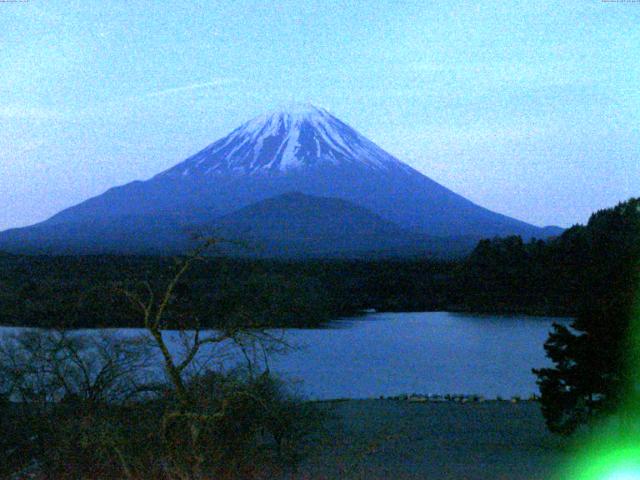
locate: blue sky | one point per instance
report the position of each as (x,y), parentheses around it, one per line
(528,108)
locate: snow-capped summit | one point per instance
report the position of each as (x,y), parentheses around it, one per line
(290,137)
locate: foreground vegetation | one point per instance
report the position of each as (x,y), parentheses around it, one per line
(83,406)
(242,427)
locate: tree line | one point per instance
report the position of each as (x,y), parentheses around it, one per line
(83,291)
(501,275)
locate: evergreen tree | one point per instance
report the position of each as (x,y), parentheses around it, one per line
(594,359)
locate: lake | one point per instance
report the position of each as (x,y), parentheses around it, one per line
(387,354)
(429,353)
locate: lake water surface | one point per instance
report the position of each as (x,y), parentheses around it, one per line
(427,353)
(432,353)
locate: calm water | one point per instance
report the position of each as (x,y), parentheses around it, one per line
(432,353)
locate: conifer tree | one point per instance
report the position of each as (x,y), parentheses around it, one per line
(596,360)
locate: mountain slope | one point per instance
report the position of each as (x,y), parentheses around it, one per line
(294,224)
(303,149)
(126,234)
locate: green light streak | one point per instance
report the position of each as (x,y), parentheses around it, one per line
(606,461)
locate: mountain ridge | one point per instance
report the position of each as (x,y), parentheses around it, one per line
(304,150)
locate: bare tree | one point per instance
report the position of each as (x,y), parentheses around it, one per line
(99,410)
(55,380)
(197,354)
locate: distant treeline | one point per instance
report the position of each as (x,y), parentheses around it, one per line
(562,276)
(87,291)
(504,275)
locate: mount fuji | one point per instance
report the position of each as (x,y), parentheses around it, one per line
(301,150)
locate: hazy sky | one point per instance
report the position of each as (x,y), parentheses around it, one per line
(528,108)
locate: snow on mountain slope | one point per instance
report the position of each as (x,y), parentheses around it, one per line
(290,138)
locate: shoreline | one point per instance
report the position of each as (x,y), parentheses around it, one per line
(384,438)
(461,398)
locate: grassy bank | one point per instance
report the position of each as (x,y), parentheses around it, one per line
(380,439)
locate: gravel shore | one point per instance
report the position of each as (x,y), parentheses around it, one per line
(399,439)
